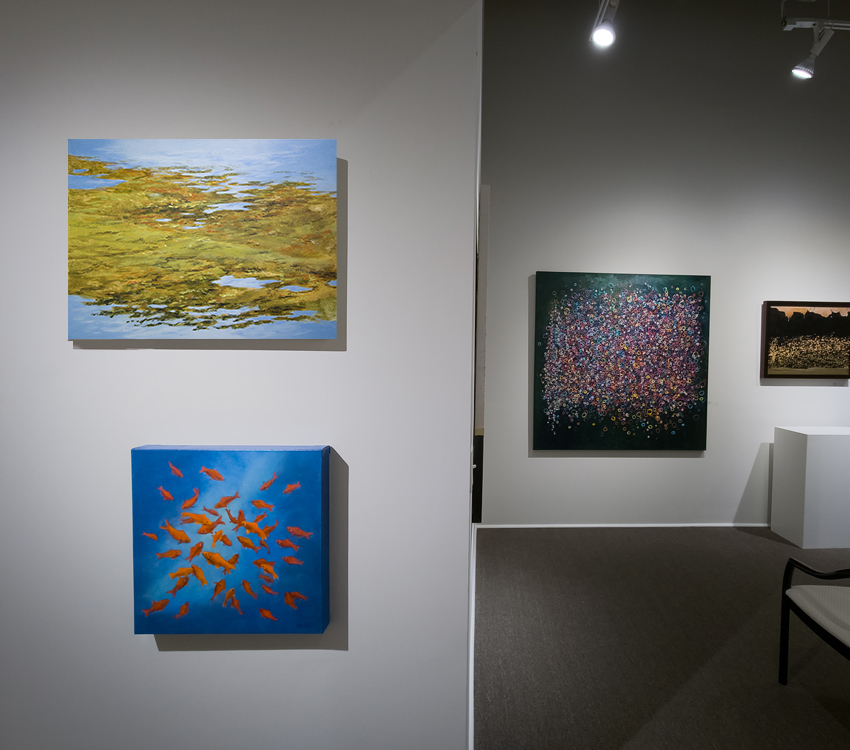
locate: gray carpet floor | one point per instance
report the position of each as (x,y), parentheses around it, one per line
(648,639)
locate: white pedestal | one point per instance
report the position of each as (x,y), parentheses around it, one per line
(811,486)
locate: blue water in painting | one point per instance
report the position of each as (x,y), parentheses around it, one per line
(249,282)
(84,182)
(83,324)
(265,161)
(243,471)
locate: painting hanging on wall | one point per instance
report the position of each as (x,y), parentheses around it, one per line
(621,362)
(202,239)
(805,340)
(230,539)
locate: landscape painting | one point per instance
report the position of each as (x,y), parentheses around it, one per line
(230,539)
(805,340)
(621,362)
(202,239)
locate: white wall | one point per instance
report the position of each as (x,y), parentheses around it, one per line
(398,85)
(686,148)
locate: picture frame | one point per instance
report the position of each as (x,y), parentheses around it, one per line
(198,239)
(620,362)
(805,340)
(265,507)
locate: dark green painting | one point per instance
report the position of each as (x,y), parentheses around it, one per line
(621,362)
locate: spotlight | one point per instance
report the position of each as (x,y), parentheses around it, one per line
(805,69)
(823,29)
(603,34)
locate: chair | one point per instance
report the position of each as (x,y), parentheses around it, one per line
(825,609)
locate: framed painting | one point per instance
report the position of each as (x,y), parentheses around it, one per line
(230,539)
(805,340)
(202,239)
(621,362)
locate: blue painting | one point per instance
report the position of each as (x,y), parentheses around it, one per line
(202,239)
(230,539)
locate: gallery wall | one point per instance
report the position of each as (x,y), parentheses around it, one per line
(398,85)
(686,148)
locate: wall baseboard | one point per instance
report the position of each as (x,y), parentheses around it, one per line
(617,525)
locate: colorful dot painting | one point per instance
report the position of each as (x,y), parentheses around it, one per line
(621,362)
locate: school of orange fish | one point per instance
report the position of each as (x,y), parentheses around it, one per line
(207,524)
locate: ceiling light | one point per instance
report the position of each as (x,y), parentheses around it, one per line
(822,24)
(603,34)
(805,69)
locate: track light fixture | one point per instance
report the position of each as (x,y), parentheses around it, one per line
(823,26)
(603,34)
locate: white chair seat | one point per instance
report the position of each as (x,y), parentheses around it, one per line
(828,606)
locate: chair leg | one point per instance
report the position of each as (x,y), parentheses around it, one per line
(783,642)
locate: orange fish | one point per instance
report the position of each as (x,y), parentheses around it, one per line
(199,574)
(219,587)
(266,578)
(268,615)
(196,550)
(181,582)
(212,474)
(230,516)
(171,554)
(175,470)
(181,537)
(183,611)
(247,543)
(234,602)
(228,596)
(151,536)
(225,501)
(269,529)
(247,587)
(208,528)
(291,487)
(215,559)
(267,566)
(295,531)
(198,518)
(289,598)
(268,590)
(261,504)
(225,541)
(156,606)
(217,536)
(235,559)
(263,544)
(252,528)
(292,560)
(180,572)
(192,500)
(212,512)
(287,543)
(166,495)
(260,517)
(266,485)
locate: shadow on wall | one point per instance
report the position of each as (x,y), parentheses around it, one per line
(335,638)
(755,499)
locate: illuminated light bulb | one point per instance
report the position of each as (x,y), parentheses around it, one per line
(603,35)
(805,69)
